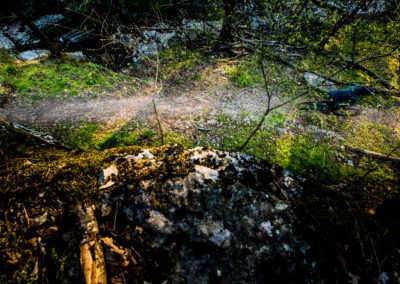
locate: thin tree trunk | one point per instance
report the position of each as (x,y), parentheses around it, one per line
(230,7)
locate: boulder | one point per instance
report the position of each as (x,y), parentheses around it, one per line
(34,54)
(214,215)
(5,42)
(75,37)
(194,28)
(77,56)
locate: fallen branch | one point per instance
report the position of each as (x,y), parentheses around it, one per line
(370,73)
(31,133)
(374,155)
(91,251)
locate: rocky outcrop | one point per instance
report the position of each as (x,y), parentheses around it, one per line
(214,215)
(5,42)
(23,36)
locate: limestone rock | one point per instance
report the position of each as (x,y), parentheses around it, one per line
(5,42)
(22,35)
(104,181)
(318,82)
(34,54)
(75,56)
(215,215)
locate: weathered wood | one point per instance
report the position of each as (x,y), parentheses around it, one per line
(31,133)
(374,155)
(91,251)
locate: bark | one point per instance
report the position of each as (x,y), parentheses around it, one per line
(91,251)
(230,7)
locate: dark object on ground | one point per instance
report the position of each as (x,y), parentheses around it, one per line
(342,109)
(341,101)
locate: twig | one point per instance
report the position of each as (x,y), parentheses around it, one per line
(115,216)
(158,121)
(153,100)
(27,217)
(267,111)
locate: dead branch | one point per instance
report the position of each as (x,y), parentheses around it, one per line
(31,134)
(91,251)
(374,155)
(370,73)
(267,111)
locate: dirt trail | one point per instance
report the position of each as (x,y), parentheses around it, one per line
(180,109)
(183,109)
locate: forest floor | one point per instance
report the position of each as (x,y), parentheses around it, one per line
(189,108)
(208,107)
(183,108)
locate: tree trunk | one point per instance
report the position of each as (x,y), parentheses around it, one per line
(228,25)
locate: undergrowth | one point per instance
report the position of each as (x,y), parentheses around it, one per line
(92,136)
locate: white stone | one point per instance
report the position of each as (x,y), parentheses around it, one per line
(281,206)
(221,237)
(76,56)
(145,154)
(105,175)
(267,227)
(158,222)
(34,54)
(5,42)
(208,173)
(318,82)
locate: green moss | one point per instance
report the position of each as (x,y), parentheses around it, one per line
(176,61)
(374,137)
(245,74)
(92,136)
(5,57)
(53,78)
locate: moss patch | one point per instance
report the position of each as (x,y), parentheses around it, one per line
(52,78)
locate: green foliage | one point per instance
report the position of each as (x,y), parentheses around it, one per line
(5,57)
(83,136)
(245,75)
(314,160)
(126,137)
(178,62)
(374,137)
(91,136)
(52,78)
(175,138)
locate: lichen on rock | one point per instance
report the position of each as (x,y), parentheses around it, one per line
(215,214)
